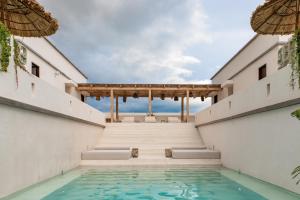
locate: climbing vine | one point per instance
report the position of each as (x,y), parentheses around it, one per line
(295,78)
(16,53)
(5,47)
(295,59)
(19,61)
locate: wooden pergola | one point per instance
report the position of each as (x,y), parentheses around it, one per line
(162,91)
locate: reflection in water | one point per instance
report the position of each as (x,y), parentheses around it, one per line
(160,184)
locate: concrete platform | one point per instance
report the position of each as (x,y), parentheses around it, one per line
(153,162)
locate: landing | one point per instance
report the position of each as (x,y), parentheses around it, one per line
(153,162)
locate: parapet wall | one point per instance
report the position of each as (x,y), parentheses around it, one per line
(42,131)
(255,132)
(272,92)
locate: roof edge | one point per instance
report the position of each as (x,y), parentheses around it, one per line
(65,57)
(235,55)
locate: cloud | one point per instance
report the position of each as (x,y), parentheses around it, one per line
(131,41)
(150,41)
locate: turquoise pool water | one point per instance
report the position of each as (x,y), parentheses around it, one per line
(154,184)
(150,184)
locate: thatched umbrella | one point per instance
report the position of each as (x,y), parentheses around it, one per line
(27,18)
(279,17)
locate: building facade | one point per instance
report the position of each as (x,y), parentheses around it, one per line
(250,120)
(45,61)
(255,61)
(44,123)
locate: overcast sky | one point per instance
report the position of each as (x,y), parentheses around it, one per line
(151,41)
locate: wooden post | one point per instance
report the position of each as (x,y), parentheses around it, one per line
(117,108)
(112,106)
(182,109)
(187,105)
(150,102)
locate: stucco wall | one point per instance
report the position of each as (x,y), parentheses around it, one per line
(255,97)
(36,146)
(55,68)
(258,45)
(52,55)
(242,69)
(264,145)
(43,130)
(249,76)
(254,130)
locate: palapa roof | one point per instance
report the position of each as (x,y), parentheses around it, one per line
(276,17)
(142,90)
(27,18)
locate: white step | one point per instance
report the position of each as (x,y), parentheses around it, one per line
(151,139)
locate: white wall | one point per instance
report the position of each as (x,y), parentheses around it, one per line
(36,146)
(47,73)
(242,69)
(249,76)
(264,145)
(52,55)
(43,130)
(253,98)
(252,50)
(55,68)
(37,92)
(257,134)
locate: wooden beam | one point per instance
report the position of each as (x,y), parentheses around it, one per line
(187,105)
(117,108)
(112,105)
(142,90)
(182,109)
(200,89)
(150,102)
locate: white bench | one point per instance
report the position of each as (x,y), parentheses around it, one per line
(128,119)
(107,153)
(150,119)
(196,153)
(174,120)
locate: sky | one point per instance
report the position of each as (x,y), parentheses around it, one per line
(151,41)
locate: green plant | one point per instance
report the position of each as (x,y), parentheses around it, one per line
(296,114)
(17,57)
(16,53)
(295,59)
(5,47)
(295,79)
(17,60)
(296,173)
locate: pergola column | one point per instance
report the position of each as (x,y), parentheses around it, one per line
(150,102)
(182,109)
(112,106)
(187,105)
(117,108)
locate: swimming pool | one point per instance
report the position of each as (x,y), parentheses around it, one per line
(154,183)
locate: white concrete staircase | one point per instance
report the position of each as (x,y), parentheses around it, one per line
(151,138)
